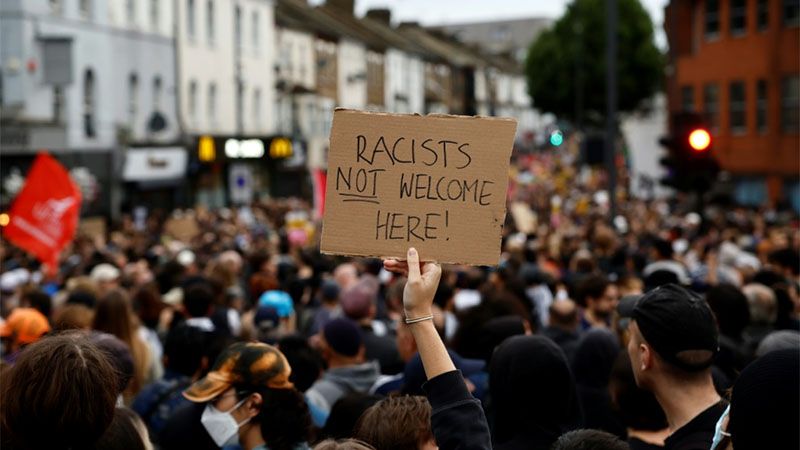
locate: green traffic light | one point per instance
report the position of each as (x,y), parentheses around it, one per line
(556,138)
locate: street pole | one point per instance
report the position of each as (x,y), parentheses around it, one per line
(611,103)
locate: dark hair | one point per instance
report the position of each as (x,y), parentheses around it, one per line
(305,362)
(592,286)
(637,408)
(731,309)
(284,418)
(147,304)
(589,440)
(184,348)
(344,444)
(197,299)
(39,301)
(123,433)
(345,414)
(396,423)
(663,247)
(60,393)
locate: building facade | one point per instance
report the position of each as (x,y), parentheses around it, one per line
(750,101)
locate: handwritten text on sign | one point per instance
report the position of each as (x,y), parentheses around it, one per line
(437,182)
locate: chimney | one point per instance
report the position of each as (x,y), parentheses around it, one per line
(383,15)
(347,6)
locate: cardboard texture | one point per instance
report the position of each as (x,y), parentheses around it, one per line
(183,229)
(435,182)
(92,227)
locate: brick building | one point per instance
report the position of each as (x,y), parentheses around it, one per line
(738,62)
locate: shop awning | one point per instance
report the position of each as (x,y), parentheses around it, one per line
(155,164)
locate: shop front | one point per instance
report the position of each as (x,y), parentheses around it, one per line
(234,170)
(155,178)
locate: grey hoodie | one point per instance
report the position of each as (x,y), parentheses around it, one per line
(338,382)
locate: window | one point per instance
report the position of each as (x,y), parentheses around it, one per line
(687,98)
(190,16)
(193,101)
(210,21)
(88,104)
(154,15)
(212,103)
(737,106)
(133,97)
(257,108)
(58,103)
(130,10)
(762,14)
(761,106)
(711,105)
(157,89)
(790,106)
(85,7)
(738,17)
(238,27)
(712,19)
(791,13)
(255,31)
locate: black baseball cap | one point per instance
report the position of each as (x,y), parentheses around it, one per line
(673,320)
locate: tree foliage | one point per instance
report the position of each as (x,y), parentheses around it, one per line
(572,55)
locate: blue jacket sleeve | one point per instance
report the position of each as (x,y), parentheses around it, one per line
(457,420)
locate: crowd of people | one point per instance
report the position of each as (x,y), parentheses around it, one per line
(658,328)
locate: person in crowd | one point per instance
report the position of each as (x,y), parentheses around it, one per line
(341,423)
(119,355)
(185,359)
(779,340)
(763,314)
(732,312)
(589,440)
(343,351)
(637,409)
(591,365)
(198,305)
(457,418)
(307,366)
(126,432)
(329,307)
(23,327)
(598,298)
(115,316)
(562,327)
(38,300)
(60,394)
(343,444)
(249,401)
(673,342)
(765,403)
(397,423)
(106,277)
(664,262)
(359,305)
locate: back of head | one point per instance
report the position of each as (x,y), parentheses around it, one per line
(197,299)
(344,444)
(305,362)
(765,403)
(763,305)
(530,382)
(38,300)
(185,348)
(61,393)
(593,286)
(564,314)
(126,432)
(779,340)
(114,315)
(396,423)
(589,440)
(594,357)
(638,408)
(343,337)
(730,308)
(345,413)
(357,301)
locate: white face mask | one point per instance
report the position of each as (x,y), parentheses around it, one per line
(221,425)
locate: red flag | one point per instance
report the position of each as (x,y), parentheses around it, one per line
(44,215)
(320,178)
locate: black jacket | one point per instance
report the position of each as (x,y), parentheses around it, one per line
(457,419)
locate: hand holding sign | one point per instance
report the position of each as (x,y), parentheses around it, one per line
(436,182)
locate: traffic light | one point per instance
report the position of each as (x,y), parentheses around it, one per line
(689,163)
(556,138)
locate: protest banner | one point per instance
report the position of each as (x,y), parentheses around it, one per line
(435,182)
(183,228)
(93,227)
(44,216)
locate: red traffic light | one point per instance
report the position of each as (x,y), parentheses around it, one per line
(699,139)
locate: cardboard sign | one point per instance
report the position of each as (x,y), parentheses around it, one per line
(524,219)
(93,227)
(436,182)
(183,229)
